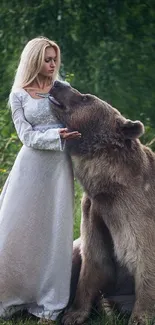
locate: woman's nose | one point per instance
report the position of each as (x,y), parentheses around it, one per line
(53,63)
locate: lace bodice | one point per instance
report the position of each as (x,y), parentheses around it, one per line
(27,114)
(37,111)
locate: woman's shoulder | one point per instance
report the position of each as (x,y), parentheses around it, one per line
(17,93)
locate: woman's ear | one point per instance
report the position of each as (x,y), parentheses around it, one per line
(132,129)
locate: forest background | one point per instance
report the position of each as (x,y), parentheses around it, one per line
(108,49)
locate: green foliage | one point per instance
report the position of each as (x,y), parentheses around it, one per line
(9,145)
(77,209)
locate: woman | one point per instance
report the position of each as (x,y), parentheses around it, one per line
(36,204)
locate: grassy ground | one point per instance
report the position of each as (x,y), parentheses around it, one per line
(96,318)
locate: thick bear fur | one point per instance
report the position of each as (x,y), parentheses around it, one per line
(117,173)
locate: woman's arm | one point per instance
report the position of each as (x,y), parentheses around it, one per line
(49,140)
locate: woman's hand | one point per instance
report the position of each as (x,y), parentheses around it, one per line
(64,134)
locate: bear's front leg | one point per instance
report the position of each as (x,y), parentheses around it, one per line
(97,270)
(144,309)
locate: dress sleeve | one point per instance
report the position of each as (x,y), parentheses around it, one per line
(49,140)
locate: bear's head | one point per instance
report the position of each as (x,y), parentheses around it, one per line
(100,124)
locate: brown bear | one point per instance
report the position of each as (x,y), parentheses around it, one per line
(117,173)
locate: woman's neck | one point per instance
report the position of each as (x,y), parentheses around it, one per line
(41,83)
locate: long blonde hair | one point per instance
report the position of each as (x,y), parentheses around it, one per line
(31,60)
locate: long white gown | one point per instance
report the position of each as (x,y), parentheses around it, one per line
(36,215)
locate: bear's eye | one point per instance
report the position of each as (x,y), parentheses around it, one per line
(84,98)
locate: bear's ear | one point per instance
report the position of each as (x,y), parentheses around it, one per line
(132,129)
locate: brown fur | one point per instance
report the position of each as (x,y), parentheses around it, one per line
(118,209)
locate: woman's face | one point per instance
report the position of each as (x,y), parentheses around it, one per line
(49,64)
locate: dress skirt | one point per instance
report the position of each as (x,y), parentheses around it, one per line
(36,234)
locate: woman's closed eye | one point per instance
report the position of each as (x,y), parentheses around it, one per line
(50,59)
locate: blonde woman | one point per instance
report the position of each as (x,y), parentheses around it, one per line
(36,204)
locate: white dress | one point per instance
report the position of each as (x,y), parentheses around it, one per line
(36,215)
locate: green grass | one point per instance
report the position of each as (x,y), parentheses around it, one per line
(95,319)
